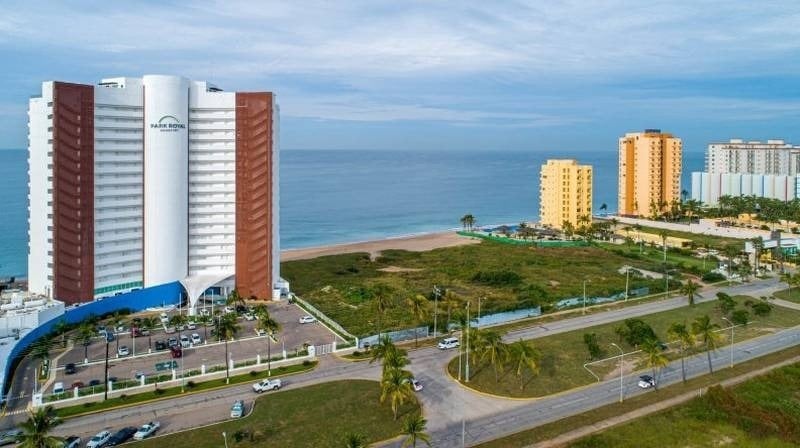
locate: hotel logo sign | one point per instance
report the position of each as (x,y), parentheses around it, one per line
(168,123)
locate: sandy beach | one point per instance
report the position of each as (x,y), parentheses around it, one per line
(417,243)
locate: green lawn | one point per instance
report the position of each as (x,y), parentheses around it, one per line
(762,412)
(563,355)
(340,285)
(652,258)
(313,416)
(794,297)
(716,242)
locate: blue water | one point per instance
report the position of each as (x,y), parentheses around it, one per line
(341,196)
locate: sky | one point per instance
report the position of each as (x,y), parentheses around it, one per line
(435,75)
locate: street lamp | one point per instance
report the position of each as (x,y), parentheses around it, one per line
(480,299)
(584,296)
(627,281)
(621,365)
(466,368)
(436,292)
(732,326)
(225,438)
(105,388)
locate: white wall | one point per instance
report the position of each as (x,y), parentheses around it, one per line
(40,162)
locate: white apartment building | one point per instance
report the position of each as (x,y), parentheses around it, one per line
(137,182)
(753,157)
(708,187)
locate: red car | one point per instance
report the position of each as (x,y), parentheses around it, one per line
(176,352)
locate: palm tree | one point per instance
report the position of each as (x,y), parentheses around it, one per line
(227,327)
(523,356)
(382,295)
(568,229)
(61,327)
(690,289)
(355,440)
(269,326)
(704,331)
(418,306)
(467,221)
(149,323)
(451,300)
(84,336)
(495,350)
(603,207)
(414,428)
(396,387)
(235,299)
(36,429)
(204,321)
(685,340)
(654,357)
(663,235)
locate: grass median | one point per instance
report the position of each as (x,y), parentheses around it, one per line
(314,416)
(190,387)
(563,355)
(553,429)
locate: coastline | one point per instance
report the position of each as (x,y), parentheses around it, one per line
(416,243)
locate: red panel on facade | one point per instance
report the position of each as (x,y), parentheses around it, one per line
(73,192)
(254,194)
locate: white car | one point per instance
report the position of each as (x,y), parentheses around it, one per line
(196,338)
(185,342)
(99,439)
(237,410)
(307,319)
(647,381)
(190,326)
(416,385)
(205,312)
(164,318)
(123,350)
(249,317)
(229,309)
(267,384)
(261,332)
(448,343)
(147,430)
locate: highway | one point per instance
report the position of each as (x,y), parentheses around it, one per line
(448,405)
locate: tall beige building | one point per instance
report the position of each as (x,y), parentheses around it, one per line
(565,193)
(649,172)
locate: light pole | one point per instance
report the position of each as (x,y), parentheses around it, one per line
(436,292)
(627,281)
(105,388)
(732,326)
(621,365)
(480,299)
(466,367)
(225,438)
(584,296)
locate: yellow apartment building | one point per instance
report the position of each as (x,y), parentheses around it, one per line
(649,172)
(565,193)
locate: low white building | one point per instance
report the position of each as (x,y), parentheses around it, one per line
(708,187)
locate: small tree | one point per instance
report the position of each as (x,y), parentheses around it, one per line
(726,303)
(355,440)
(761,309)
(706,332)
(523,356)
(414,429)
(595,352)
(635,332)
(740,317)
(396,387)
(654,356)
(36,430)
(690,290)
(685,340)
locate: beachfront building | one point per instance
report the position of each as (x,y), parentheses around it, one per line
(649,172)
(139,182)
(708,187)
(565,193)
(774,157)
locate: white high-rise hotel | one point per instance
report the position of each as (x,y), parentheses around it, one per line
(138,182)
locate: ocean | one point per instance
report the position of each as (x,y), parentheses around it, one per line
(330,197)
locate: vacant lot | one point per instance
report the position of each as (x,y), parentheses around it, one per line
(563,355)
(794,296)
(317,416)
(762,412)
(510,277)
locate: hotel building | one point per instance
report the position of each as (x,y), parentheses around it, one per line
(737,156)
(565,193)
(649,172)
(138,182)
(708,187)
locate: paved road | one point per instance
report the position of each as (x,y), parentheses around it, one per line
(445,402)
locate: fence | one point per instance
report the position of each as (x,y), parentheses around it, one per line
(507,316)
(332,324)
(396,336)
(518,242)
(574,301)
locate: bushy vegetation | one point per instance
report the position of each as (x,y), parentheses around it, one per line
(345,287)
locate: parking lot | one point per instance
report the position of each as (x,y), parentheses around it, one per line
(144,359)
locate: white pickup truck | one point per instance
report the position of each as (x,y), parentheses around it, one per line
(267,384)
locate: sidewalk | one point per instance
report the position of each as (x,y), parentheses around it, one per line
(579,433)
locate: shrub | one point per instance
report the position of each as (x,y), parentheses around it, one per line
(191,384)
(356,354)
(159,391)
(726,303)
(306,362)
(761,309)
(740,317)
(253,373)
(497,278)
(635,332)
(595,352)
(713,277)
(122,397)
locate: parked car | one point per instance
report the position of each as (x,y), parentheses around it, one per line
(164,318)
(77,385)
(99,439)
(121,436)
(123,350)
(10,436)
(101,330)
(237,410)
(267,384)
(161,344)
(176,352)
(205,312)
(416,384)
(139,374)
(147,430)
(191,326)
(249,317)
(70,369)
(448,343)
(172,342)
(72,442)
(110,337)
(185,342)
(307,319)
(58,388)
(261,332)
(647,381)
(95,383)
(196,339)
